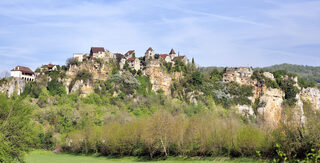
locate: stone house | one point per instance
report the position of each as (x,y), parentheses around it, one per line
(130,54)
(172,54)
(134,63)
(97,52)
(149,54)
(22,72)
(165,57)
(78,57)
(49,67)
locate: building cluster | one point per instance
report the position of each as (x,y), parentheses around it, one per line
(99,53)
(129,57)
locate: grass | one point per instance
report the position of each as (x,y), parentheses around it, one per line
(41,156)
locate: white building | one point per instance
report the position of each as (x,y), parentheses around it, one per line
(165,57)
(78,57)
(134,63)
(23,73)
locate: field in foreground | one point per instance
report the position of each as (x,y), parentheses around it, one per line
(40,156)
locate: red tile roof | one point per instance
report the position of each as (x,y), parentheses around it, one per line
(172,51)
(23,69)
(97,49)
(150,49)
(48,66)
(164,56)
(131,59)
(129,52)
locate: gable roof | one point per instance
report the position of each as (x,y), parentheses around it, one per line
(150,49)
(164,56)
(131,59)
(172,51)
(23,69)
(129,53)
(48,66)
(97,49)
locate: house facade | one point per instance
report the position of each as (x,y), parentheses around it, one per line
(78,57)
(165,57)
(22,72)
(97,52)
(49,67)
(134,63)
(149,54)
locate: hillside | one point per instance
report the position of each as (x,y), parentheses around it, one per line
(305,72)
(157,105)
(310,73)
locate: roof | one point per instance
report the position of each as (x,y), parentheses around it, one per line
(48,66)
(150,49)
(172,51)
(131,59)
(97,49)
(164,56)
(23,69)
(129,52)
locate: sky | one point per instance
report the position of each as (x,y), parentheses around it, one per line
(214,32)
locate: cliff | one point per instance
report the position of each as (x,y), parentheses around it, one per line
(270,102)
(12,86)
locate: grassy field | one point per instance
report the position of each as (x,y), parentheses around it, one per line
(40,156)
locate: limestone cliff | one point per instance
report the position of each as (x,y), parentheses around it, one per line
(159,78)
(12,86)
(311,95)
(271,98)
(99,71)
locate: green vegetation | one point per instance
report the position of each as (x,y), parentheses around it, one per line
(124,117)
(17,132)
(40,156)
(308,73)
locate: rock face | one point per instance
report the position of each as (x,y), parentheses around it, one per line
(98,71)
(241,75)
(312,95)
(159,78)
(272,109)
(271,99)
(14,85)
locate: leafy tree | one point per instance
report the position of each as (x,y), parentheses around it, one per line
(56,88)
(16,134)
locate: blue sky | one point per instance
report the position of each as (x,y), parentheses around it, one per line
(214,32)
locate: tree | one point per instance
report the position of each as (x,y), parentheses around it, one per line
(16,134)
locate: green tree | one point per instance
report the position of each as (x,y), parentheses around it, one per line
(16,136)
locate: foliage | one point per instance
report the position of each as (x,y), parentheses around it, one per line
(56,87)
(308,73)
(179,66)
(71,61)
(17,134)
(145,86)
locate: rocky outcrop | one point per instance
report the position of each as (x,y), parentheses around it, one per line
(13,86)
(241,75)
(99,71)
(311,95)
(272,109)
(158,77)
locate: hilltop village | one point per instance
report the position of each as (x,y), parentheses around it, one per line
(252,92)
(100,54)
